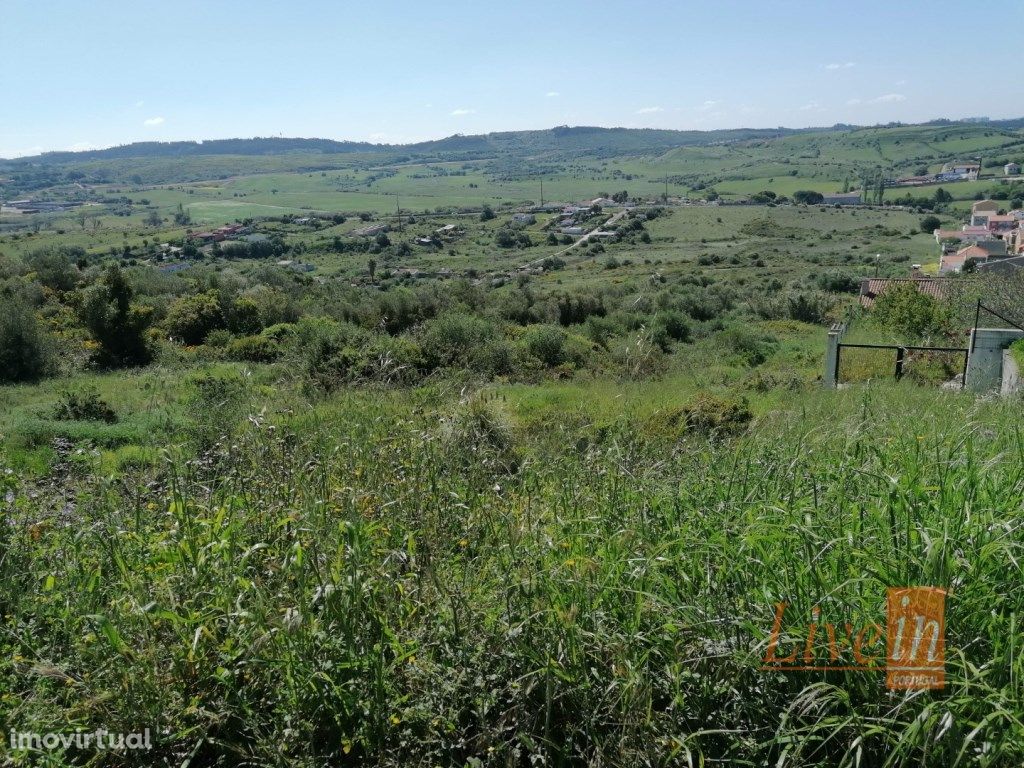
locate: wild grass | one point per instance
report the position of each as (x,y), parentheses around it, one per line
(413,579)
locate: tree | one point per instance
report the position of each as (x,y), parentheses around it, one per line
(929,224)
(154,219)
(906,311)
(26,350)
(942,196)
(371,266)
(191,318)
(808,197)
(487,213)
(54,267)
(117,324)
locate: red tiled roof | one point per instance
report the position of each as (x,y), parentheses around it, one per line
(873,287)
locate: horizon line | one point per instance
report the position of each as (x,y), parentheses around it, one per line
(809,128)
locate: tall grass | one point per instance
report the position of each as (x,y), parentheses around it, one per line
(379,578)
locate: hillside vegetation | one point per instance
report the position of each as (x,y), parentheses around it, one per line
(318,453)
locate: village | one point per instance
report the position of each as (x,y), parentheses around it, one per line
(992,239)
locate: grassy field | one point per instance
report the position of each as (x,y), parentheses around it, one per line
(498,499)
(563,573)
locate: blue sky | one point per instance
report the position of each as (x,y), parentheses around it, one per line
(78,75)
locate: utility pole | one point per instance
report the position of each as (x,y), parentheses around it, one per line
(542,193)
(398,210)
(666,186)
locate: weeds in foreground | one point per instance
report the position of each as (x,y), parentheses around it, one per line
(352,583)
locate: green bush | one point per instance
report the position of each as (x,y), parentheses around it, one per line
(84,405)
(709,414)
(546,343)
(751,346)
(450,340)
(191,318)
(253,349)
(26,350)
(115,321)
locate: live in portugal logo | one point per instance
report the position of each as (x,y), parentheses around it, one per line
(914,650)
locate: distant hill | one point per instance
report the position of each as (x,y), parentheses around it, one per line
(693,159)
(579,138)
(571,139)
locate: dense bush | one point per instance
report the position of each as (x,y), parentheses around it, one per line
(709,414)
(450,339)
(546,343)
(26,350)
(83,405)
(191,318)
(749,345)
(115,321)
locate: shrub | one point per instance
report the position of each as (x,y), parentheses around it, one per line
(253,349)
(448,340)
(546,343)
(709,414)
(329,351)
(191,318)
(115,322)
(673,324)
(55,267)
(84,405)
(750,346)
(905,310)
(26,350)
(480,438)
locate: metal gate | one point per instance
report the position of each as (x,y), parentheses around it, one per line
(835,346)
(901,351)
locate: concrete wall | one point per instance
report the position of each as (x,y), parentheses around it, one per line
(985,365)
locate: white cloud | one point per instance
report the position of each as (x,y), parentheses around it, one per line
(153,121)
(707,105)
(461,111)
(889,98)
(809,106)
(852,102)
(845,65)
(649,110)
(551,94)
(139,103)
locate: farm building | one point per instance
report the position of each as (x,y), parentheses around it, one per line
(448,230)
(370,231)
(523,218)
(1011,169)
(985,207)
(959,171)
(1002,266)
(842,198)
(980,252)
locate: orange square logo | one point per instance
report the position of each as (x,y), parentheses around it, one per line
(915,638)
